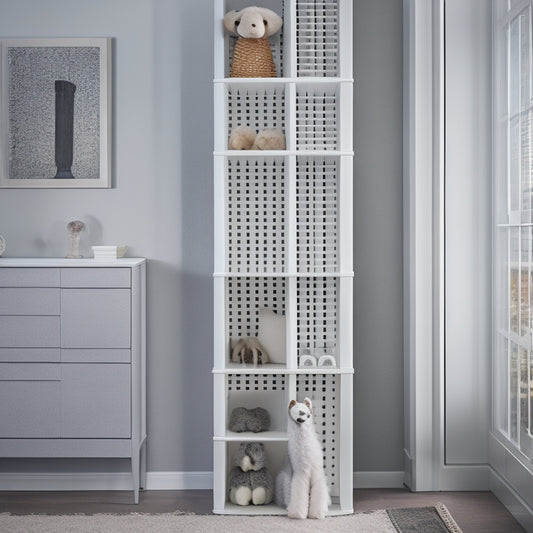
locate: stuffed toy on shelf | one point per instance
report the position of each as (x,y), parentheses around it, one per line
(252,57)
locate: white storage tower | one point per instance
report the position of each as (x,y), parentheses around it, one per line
(283,238)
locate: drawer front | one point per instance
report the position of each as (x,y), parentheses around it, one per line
(95,318)
(29,331)
(96,277)
(30,372)
(83,355)
(30,355)
(29,409)
(29,301)
(29,277)
(95,400)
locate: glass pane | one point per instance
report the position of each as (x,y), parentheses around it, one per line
(502,276)
(503,384)
(514,280)
(514,162)
(524,386)
(526,115)
(530,362)
(513,392)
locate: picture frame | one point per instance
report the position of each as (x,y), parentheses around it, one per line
(55,113)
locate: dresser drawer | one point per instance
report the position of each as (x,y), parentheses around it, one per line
(29,301)
(98,277)
(29,331)
(30,409)
(29,277)
(30,371)
(85,355)
(30,355)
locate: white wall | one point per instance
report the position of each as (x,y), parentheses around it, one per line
(468,229)
(161,206)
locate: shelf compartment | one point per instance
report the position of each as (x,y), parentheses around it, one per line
(269,391)
(255,214)
(258,106)
(230,39)
(317,214)
(244,298)
(317,315)
(317,38)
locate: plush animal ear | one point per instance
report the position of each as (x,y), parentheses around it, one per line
(292,404)
(307,402)
(273,20)
(230,18)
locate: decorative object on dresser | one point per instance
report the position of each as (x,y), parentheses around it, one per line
(2,245)
(73,359)
(74,229)
(56,132)
(252,57)
(109,252)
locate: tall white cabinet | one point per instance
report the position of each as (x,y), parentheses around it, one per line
(283,239)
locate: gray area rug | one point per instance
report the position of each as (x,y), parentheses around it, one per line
(421,519)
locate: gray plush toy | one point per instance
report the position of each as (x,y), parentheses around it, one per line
(254,420)
(250,480)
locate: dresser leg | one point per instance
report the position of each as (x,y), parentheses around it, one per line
(135,469)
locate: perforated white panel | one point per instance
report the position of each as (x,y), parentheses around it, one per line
(316,214)
(317,37)
(244,298)
(256,382)
(317,314)
(317,114)
(323,390)
(257,107)
(255,217)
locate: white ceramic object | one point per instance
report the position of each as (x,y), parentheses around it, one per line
(2,245)
(109,252)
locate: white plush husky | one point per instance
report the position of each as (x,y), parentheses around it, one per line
(301,484)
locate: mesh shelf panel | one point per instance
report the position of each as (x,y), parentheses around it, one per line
(256,382)
(316,214)
(323,390)
(257,107)
(317,114)
(317,314)
(244,298)
(317,37)
(255,216)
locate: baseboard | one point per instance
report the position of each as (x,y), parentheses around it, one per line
(156,481)
(104,481)
(378,480)
(515,505)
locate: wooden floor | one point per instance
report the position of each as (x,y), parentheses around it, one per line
(475,512)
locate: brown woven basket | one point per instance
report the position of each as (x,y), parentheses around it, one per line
(252,58)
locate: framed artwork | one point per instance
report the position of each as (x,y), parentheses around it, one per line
(55,113)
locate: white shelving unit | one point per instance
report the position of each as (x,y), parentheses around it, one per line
(283,238)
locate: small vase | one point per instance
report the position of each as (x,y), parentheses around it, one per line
(74,246)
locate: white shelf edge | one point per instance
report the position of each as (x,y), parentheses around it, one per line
(283,274)
(274,153)
(269,81)
(272,509)
(285,371)
(247,436)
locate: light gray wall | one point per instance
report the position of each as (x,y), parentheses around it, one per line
(161,206)
(378,321)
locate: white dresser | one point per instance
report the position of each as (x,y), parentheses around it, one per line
(73,360)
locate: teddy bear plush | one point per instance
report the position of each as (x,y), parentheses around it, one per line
(252,57)
(255,420)
(250,480)
(245,138)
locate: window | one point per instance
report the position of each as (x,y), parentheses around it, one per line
(513,221)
